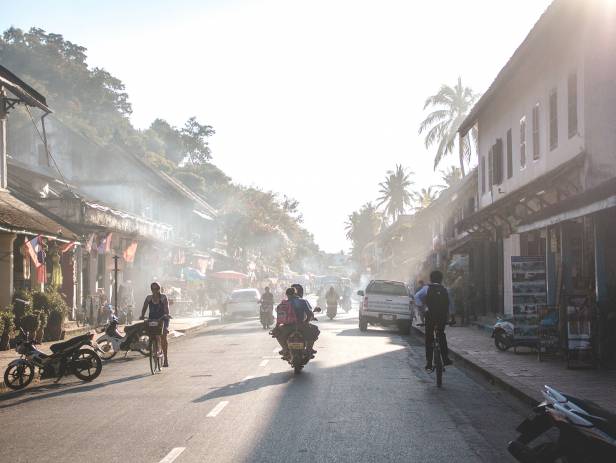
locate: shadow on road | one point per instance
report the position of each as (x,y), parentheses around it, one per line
(42,391)
(248,385)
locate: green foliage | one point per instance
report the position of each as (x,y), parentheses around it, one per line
(6,320)
(450,106)
(362,227)
(424,197)
(394,192)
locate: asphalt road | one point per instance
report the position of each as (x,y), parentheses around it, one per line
(227,397)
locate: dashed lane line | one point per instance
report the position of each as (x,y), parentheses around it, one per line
(217,409)
(171,456)
(263,362)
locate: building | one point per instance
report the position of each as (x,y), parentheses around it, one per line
(547,162)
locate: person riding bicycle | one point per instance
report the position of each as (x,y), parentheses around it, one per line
(436,300)
(158,306)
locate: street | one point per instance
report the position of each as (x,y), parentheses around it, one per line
(228,397)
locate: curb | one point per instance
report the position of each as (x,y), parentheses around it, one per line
(519,391)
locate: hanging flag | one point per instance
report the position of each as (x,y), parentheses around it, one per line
(90,243)
(34,247)
(104,245)
(130,251)
(67,247)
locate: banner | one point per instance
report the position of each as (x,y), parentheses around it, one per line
(34,247)
(529,293)
(130,251)
(104,245)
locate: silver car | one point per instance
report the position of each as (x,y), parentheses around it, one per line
(243,302)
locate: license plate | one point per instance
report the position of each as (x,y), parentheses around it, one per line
(389,317)
(153,323)
(296,345)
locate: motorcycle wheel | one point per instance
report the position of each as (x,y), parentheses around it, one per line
(145,341)
(501,342)
(106,348)
(87,365)
(17,377)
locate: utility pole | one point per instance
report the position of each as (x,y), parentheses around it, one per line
(115,284)
(3,117)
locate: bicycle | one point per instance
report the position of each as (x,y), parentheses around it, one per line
(154,329)
(437,357)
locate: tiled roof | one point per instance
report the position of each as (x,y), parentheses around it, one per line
(18,217)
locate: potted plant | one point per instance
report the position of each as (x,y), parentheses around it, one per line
(6,319)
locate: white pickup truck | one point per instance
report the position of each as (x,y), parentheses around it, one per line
(385,303)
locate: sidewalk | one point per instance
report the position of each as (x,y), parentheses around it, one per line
(523,375)
(178,328)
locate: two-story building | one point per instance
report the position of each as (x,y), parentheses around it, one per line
(547,157)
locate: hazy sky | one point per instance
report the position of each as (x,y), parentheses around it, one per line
(315,99)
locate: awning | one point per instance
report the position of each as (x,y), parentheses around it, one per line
(229,275)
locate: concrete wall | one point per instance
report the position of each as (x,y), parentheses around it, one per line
(544,72)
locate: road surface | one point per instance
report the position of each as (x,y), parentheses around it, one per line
(227,397)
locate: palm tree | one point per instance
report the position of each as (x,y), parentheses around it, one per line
(362,226)
(451,106)
(450,177)
(394,192)
(424,197)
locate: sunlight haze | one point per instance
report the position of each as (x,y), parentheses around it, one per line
(301,94)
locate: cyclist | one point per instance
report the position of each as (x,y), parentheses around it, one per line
(438,304)
(158,306)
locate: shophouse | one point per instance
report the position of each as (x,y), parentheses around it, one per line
(547,164)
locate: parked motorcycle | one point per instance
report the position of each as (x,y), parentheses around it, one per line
(266,316)
(134,339)
(586,432)
(74,356)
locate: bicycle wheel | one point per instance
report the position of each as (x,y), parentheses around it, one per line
(438,365)
(153,355)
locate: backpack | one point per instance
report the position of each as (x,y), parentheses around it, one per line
(437,301)
(285,315)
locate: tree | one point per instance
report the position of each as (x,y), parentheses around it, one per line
(394,192)
(361,227)
(195,138)
(450,106)
(450,177)
(424,197)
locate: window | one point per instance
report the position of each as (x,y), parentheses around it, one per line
(491,167)
(553,119)
(497,163)
(572,103)
(509,155)
(523,142)
(483,174)
(536,138)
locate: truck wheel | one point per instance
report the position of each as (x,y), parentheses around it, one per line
(363,324)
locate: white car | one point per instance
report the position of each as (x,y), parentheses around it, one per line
(385,303)
(243,302)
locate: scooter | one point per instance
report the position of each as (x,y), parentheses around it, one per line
(504,339)
(332,310)
(266,316)
(112,342)
(74,356)
(586,432)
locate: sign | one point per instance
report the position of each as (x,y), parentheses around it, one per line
(529,293)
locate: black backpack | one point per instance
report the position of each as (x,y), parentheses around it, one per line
(437,301)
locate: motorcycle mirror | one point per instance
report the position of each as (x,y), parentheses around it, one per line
(360,293)
(317,309)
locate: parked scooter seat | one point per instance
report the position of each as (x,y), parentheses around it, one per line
(608,426)
(132,328)
(60,346)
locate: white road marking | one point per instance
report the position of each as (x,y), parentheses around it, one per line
(217,409)
(171,456)
(263,363)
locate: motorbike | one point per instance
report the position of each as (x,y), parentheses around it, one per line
(296,344)
(75,356)
(112,342)
(266,316)
(503,334)
(586,432)
(346,304)
(332,310)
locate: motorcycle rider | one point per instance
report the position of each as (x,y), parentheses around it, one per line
(312,330)
(332,299)
(267,304)
(158,306)
(438,304)
(300,316)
